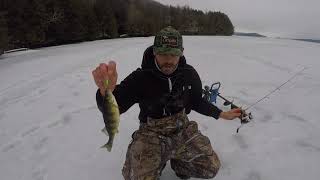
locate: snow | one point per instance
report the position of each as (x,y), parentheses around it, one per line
(50,125)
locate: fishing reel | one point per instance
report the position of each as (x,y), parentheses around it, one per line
(245,117)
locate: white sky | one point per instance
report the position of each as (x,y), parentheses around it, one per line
(285,18)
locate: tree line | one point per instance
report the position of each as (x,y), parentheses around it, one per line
(38,23)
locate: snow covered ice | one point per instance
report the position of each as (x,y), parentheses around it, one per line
(50,125)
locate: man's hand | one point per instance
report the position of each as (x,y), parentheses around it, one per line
(105,73)
(232,114)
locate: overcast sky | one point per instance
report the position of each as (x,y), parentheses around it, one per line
(284,18)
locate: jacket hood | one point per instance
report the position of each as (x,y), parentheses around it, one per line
(148,62)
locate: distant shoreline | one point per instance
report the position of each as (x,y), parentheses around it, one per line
(263,36)
(248,34)
(309,40)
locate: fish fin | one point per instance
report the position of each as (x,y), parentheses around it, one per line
(108,146)
(104,130)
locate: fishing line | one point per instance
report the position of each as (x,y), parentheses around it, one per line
(277,88)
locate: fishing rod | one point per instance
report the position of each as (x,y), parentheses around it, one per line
(211,93)
(277,88)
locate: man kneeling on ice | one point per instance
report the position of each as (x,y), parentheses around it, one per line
(167,89)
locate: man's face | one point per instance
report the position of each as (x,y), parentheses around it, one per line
(167,63)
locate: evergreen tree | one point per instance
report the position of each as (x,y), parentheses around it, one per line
(107,23)
(34,23)
(120,9)
(3,33)
(54,22)
(135,20)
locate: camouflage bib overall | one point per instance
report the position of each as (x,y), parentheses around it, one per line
(173,138)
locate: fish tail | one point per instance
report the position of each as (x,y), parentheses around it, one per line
(109,144)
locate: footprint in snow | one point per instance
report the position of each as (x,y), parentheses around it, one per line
(30,131)
(39,174)
(307,146)
(75,94)
(61,106)
(253,175)
(241,141)
(2,116)
(266,118)
(297,118)
(66,119)
(40,144)
(41,91)
(54,124)
(204,128)
(11,146)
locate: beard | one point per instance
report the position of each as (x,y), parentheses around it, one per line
(168,68)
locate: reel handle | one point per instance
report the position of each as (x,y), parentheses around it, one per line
(245,117)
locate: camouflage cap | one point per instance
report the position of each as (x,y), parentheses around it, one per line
(168,41)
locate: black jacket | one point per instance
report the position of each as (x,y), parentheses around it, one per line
(160,95)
